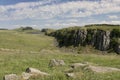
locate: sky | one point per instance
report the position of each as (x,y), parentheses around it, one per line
(58,13)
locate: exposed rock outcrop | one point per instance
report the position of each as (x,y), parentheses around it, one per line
(71,75)
(78,65)
(26,76)
(30,73)
(11,77)
(98,69)
(117,48)
(77,69)
(55,62)
(100,39)
(80,37)
(36,72)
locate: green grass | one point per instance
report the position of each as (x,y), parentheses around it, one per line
(94,27)
(38,50)
(107,28)
(22,41)
(18,62)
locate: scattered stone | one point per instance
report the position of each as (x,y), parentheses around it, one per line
(78,65)
(36,72)
(55,62)
(61,62)
(100,69)
(74,75)
(26,76)
(30,73)
(69,70)
(71,75)
(11,77)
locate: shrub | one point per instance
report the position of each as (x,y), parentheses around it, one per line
(27,28)
(115,33)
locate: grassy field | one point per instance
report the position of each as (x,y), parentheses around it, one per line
(22,41)
(19,51)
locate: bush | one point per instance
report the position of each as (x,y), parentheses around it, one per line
(27,28)
(115,33)
(114,41)
(113,44)
(48,31)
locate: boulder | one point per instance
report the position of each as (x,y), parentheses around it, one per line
(71,75)
(98,69)
(11,77)
(26,76)
(55,62)
(36,72)
(61,62)
(78,65)
(74,75)
(101,69)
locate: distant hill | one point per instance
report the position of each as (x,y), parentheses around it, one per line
(3,29)
(29,30)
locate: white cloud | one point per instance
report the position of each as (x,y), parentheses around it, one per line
(115,22)
(113,17)
(62,24)
(37,10)
(110,22)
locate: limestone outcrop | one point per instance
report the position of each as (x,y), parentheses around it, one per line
(55,62)
(29,73)
(11,77)
(100,39)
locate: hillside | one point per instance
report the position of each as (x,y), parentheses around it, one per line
(101,37)
(20,50)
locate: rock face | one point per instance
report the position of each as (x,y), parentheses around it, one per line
(98,38)
(117,49)
(55,62)
(11,77)
(80,37)
(102,40)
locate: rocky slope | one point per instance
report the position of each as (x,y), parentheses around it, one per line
(99,38)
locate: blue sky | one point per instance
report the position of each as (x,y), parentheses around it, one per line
(58,13)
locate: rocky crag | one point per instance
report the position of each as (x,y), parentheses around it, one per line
(100,38)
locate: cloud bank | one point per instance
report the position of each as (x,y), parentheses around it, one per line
(55,10)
